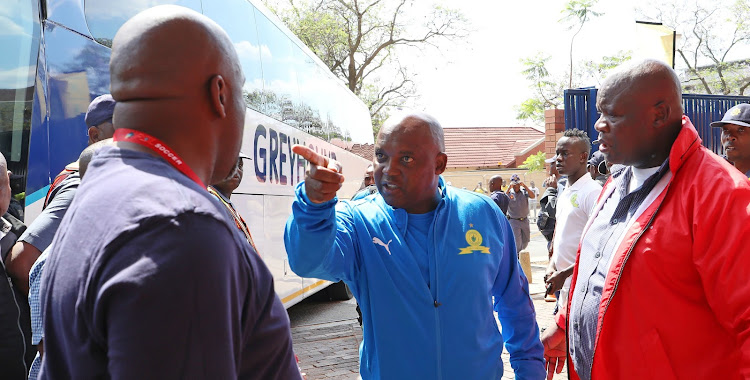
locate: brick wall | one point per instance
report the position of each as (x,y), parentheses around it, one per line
(539,148)
(554,125)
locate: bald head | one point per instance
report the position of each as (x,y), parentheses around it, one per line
(417,119)
(652,79)
(85,158)
(641,114)
(409,159)
(168,52)
(175,75)
(496,183)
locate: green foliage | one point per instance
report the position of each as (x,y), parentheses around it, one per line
(548,87)
(597,71)
(531,109)
(577,12)
(534,163)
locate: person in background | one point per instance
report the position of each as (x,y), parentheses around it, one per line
(479,188)
(369,179)
(518,211)
(423,260)
(16,351)
(368,188)
(554,185)
(497,194)
(223,192)
(656,294)
(735,136)
(574,208)
(18,196)
(546,221)
(533,202)
(61,192)
(597,168)
(147,278)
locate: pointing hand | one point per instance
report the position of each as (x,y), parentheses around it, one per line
(323,179)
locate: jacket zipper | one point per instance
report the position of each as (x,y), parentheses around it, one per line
(18,323)
(436,303)
(617,283)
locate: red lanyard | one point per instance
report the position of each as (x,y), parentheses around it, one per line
(148,141)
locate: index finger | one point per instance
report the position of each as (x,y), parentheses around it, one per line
(310,155)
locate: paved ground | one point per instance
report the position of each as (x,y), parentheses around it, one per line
(330,350)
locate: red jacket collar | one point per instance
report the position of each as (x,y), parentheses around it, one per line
(687,143)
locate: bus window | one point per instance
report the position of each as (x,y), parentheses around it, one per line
(105,17)
(279,74)
(308,114)
(237,17)
(20,47)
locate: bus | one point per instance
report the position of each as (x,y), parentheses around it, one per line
(56,60)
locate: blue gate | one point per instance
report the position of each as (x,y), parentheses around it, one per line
(580,112)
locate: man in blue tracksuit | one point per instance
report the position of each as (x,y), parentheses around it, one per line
(424,261)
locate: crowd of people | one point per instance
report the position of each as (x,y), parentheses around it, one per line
(140,266)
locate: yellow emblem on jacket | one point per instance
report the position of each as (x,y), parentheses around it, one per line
(574,200)
(474,238)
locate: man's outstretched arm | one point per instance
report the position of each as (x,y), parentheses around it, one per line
(319,234)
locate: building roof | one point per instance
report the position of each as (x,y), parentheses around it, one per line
(488,147)
(366,151)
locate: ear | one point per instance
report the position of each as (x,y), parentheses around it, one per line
(441,162)
(93,134)
(219,95)
(661,114)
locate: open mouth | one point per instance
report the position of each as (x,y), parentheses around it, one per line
(389,186)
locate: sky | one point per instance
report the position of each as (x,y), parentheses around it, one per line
(478,82)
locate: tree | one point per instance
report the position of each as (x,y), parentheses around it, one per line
(534,163)
(597,71)
(709,33)
(548,90)
(576,13)
(548,87)
(360,40)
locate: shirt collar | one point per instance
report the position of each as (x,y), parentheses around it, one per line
(581,182)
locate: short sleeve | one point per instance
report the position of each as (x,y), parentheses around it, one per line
(41,232)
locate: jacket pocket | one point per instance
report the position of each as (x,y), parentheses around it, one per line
(655,357)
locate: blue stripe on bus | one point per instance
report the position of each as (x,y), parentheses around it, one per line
(37,195)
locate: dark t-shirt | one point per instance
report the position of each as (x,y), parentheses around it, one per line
(501,199)
(149,279)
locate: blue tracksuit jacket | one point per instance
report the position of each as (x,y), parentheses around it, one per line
(412,331)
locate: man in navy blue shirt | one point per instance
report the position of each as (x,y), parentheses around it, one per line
(497,194)
(148,278)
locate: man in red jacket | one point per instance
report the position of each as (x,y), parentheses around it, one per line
(660,288)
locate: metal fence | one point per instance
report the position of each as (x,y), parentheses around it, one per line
(580,112)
